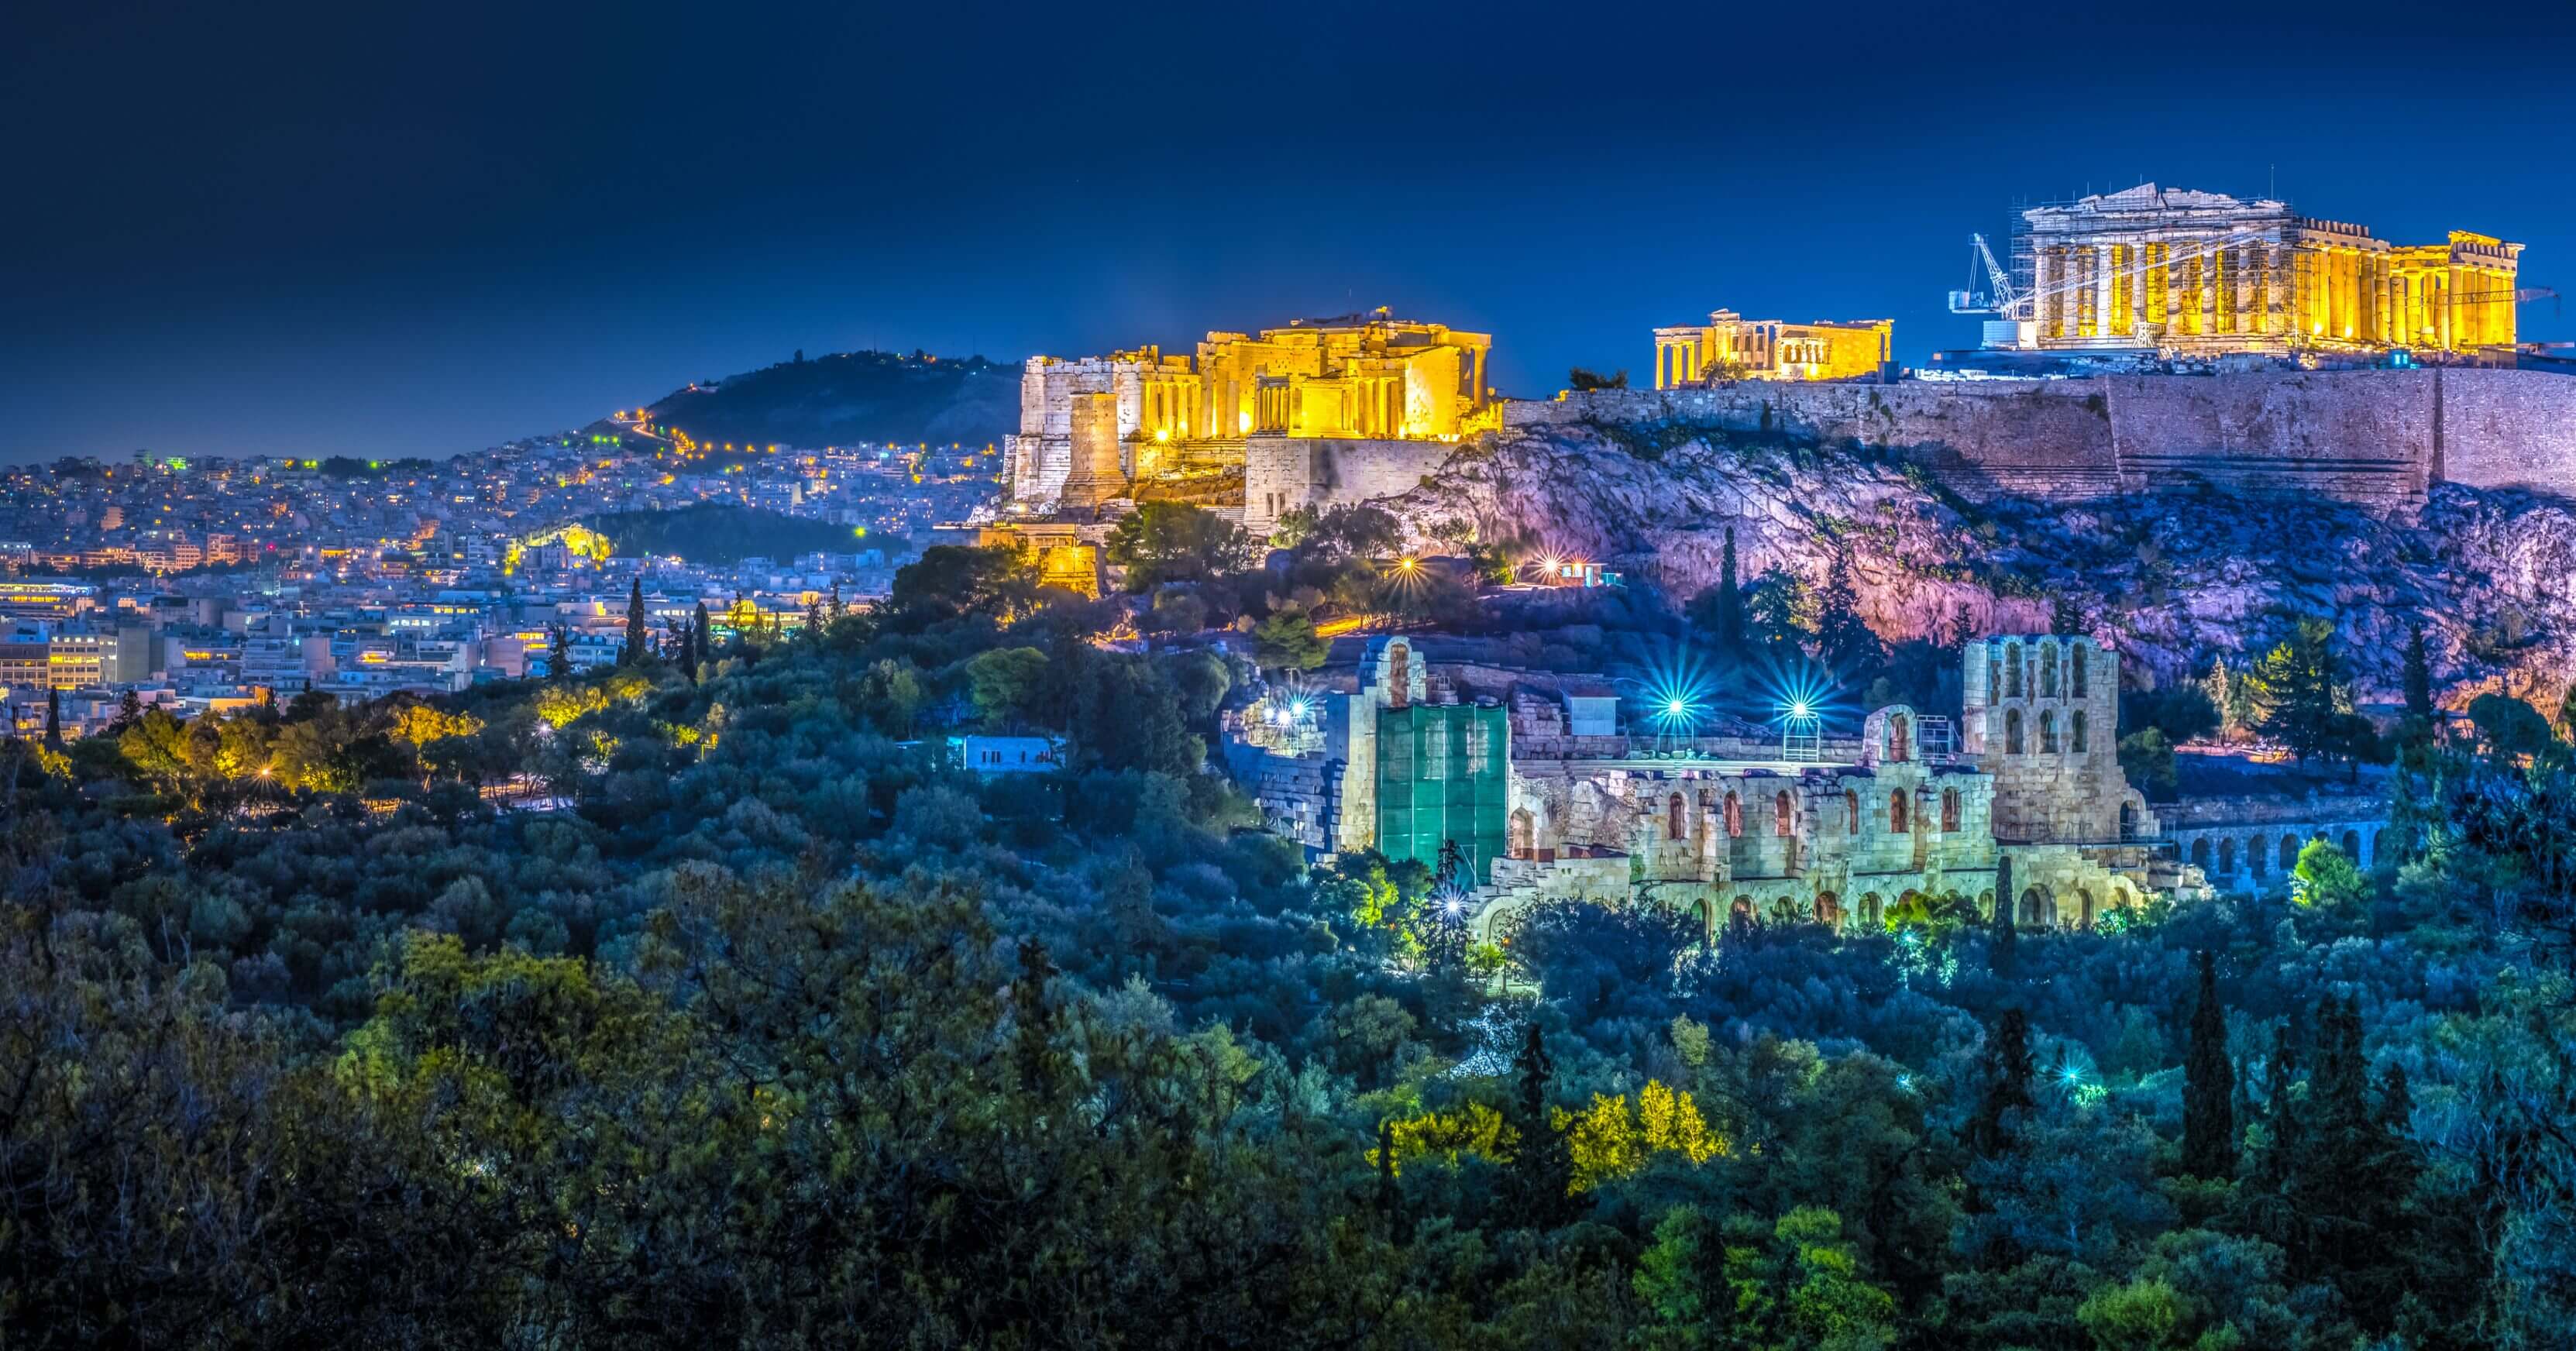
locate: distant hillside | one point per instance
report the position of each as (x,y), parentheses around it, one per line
(715,533)
(847,398)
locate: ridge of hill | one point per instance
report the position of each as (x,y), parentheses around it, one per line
(850,398)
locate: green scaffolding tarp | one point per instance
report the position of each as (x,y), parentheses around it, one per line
(1441,777)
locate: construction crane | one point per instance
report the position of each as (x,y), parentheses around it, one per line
(2001,299)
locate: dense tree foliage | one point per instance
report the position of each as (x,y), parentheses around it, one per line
(788,1032)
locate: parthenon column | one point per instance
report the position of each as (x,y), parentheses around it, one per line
(2103,280)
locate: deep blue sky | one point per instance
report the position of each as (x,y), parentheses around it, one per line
(398,229)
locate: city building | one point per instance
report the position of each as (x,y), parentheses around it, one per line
(1732,347)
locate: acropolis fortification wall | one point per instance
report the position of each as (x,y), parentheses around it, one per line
(2367,436)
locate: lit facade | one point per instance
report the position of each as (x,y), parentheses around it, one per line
(2206,274)
(1732,347)
(1092,427)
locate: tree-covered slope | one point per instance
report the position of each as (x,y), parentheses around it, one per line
(847,398)
(714,532)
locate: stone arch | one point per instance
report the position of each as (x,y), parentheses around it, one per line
(1740,913)
(2200,853)
(1949,811)
(1399,675)
(1873,912)
(2012,670)
(2079,658)
(1851,809)
(2048,731)
(2289,853)
(1896,812)
(2048,670)
(1521,834)
(2226,855)
(1900,730)
(2378,841)
(1734,814)
(2012,731)
(1986,906)
(2128,817)
(1675,826)
(1707,920)
(1829,909)
(2084,907)
(2038,909)
(2078,739)
(2352,845)
(1782,815)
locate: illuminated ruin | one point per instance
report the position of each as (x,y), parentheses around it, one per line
(1732,347)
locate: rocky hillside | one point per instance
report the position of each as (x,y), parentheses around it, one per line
(2173,579)
(845,398)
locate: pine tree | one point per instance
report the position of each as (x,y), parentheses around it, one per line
(2209,1086)
(129,706)
(1730,601)
(836,611)
(637,639)
(2299,680)
(2419,677)
(1843,640)
(53,718)
(814,621)
(2221,691)
(2066,616)
(1963,629)
(1542,1173)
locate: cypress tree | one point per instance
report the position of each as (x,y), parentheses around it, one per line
(689,652)
(2419,677)
(53,718)
(836,611)
(2006,1069)
(814,621)
(1843,640)
(2000,955)
(706,633)
(1543,1164)
(1730,600)
(638,642)
(558,652)
(1389,1200)
(2209,1086)
(1963,629)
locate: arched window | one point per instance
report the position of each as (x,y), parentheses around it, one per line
(1673,824)
(2200,853)
(1829,908)
(2226,857)
(1523,828)
(1949,811)
(1994,677)
(2084,907)
(1734,816)
(2075,732)
(1897,727)
(2254,854)
(2289,852)
(2352,845)
(2079,659)
(2012,671)
(2048,670)
(2048,731)
(1780,814)
(1896,811)
(1399,676)
(1851,810)
(2012,731)
(2037,910)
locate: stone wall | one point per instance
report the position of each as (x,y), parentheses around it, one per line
(1284,472)
(2373,436)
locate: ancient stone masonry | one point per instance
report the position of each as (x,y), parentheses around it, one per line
(1530,780)
(2251,843)
(2376,437)
(1172,420)
(2206,274)
(1732,347)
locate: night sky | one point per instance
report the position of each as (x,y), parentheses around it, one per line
(312,228)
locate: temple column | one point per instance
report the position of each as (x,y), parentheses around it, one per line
(2103,280)
(2248,258)
(2173,284)
(2136,281)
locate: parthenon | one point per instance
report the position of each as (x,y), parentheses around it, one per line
(2205,274)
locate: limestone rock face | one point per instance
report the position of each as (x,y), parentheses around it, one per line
(2171,578)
